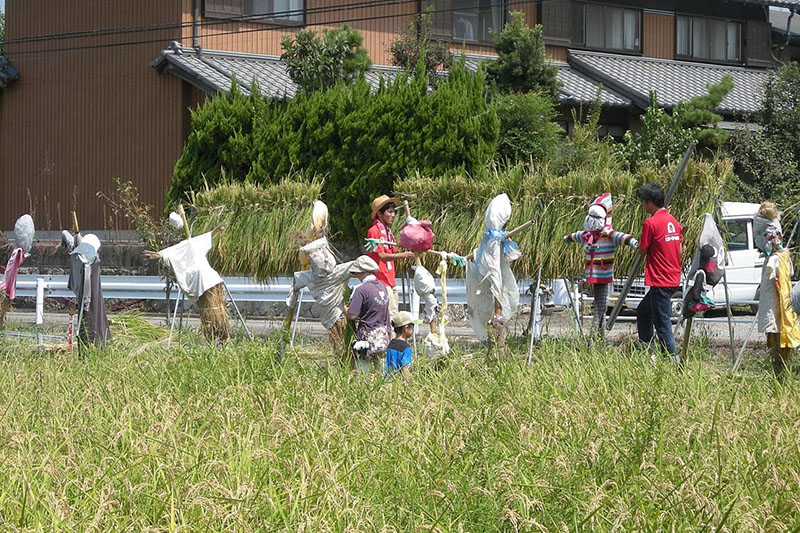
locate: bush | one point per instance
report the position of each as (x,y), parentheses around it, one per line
(781,109)
(221,143)
(527,130)
(315,64)
(665,136)
(358,140)
(521,64)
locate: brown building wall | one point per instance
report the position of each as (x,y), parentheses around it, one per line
(658,35)
(76,119)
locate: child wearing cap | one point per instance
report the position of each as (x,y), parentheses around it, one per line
(398,353)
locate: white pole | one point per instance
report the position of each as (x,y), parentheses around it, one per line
(40,285)
(297,317)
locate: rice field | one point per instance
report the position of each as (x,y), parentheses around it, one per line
(141,437)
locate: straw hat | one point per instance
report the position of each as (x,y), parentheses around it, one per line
(379,202)
(364,264)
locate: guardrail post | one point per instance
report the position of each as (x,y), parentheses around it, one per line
(40,285)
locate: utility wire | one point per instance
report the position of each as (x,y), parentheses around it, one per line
(281,25)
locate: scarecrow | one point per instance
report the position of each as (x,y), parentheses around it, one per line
(85,281)
(492,294)
(21,247)
(325,279)
(776,316)
(600,241)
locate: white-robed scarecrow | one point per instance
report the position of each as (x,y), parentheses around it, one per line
(324,280)
(492,294)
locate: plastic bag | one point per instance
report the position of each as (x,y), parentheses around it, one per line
(416,235)
(436,346)
(498,212)
(423,281)
(320,256)
(24,232)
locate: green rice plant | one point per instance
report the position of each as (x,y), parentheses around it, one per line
(259,225)
(586,438)
(558,203)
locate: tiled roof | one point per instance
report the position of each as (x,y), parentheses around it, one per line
(575,87)
(212,71)
(673,81)
(8,73)
(623,81)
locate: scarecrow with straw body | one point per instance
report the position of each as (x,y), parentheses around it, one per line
(776,317)
(324,280)
(600,241)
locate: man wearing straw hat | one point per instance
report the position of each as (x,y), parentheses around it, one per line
(383,213)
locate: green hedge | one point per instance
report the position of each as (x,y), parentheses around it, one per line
(359,140)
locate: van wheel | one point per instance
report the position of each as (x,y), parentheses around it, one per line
(676,308)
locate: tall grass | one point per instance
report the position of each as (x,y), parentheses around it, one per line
(558,202)
(260,225)
(231,439)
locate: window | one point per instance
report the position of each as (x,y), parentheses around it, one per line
(467,20)
(705,38)
(477,20)
(275,9)
(272,10)
(735,234)
(606,27)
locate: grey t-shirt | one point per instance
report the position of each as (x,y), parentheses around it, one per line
(370,302)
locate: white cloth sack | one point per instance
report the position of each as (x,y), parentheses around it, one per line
(768,297)
(436,346)
(709,235)
(489,277)
(425,287)
(327,291)
(24,232)
(188,261)
(319,256)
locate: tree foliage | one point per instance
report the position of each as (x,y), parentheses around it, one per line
(415,44)
(527,130)
(2,33)
(221,143)
(521,65)
(359,140)
(768,160)
(665,136)
(315,63)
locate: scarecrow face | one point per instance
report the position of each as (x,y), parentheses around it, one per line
(595,220)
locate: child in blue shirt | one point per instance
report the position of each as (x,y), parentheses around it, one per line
(398,353)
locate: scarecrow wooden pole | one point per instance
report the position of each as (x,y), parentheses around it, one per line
(637,263)
(75,228)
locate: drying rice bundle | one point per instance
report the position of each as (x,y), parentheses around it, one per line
(558,204)
(260,225)
(214,314)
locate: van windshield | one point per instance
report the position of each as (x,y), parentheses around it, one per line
(735,234)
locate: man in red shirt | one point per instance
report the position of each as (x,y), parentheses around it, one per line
(661,245)
(383,213)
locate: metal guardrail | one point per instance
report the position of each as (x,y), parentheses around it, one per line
(242,289)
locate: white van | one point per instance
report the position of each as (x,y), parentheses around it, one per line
(743,268)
